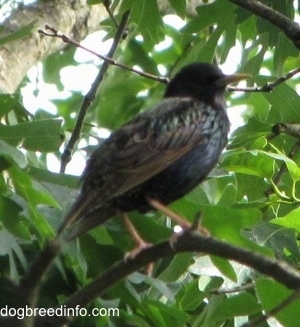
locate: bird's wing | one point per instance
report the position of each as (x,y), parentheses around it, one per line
(139,150)
(144,147)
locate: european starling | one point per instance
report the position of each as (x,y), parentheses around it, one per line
(161,154)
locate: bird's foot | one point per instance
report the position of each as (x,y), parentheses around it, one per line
(183,223)
(140,243)
(134,252)
(178,219)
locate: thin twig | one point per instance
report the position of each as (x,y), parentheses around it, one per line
(106,4)
(66,156)
(290,299)
(282,169)
(236,289)
(268,87)
(67,39)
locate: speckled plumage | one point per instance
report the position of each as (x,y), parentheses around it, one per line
(163,153)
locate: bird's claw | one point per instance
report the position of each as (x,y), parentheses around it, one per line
(133,253)
(140,247)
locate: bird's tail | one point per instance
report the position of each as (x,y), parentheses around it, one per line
(93,219)
(82,204)
(85,215)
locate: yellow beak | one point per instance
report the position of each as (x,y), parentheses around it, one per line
(228,79)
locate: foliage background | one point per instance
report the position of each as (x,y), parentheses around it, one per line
(243,203)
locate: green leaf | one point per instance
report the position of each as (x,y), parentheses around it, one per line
(47,176)
(101,235)
(229,196)
(251,186)
(206,316)
(190,297)
(33,196)
(149,228)
(177,267)
(119,88)
(41,135)
(293,168)
(251,135)
(138,53)
(24,185)
(9,153)
(283,241)
(179,6)
(227,224)
(217,12)
(290,220)
(166,289)
(225,267)
(254,162)
(247,25)
(11,219)
(288,315)
(229,41)
(251,64)
(146,16)
(284,100)
(242,304)
(164,316)
(9,246)
(264,26)
(9,102)
(54,63)
(68,109)
(204,51)
(284,49)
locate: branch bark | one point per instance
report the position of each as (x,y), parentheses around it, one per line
(187,242)
(73,17)
(289,27)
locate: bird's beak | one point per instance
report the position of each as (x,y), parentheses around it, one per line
(228,79)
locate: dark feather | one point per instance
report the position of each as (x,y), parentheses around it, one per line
(163,153)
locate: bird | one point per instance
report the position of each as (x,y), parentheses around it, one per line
(161,154)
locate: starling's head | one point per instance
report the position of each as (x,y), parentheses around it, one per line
(202,81)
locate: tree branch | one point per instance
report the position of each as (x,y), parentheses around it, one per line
(90,96)
(289,27)
(188,241)
(268,87)
(288,129)
(65,38)
(258,321)
(27,292)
